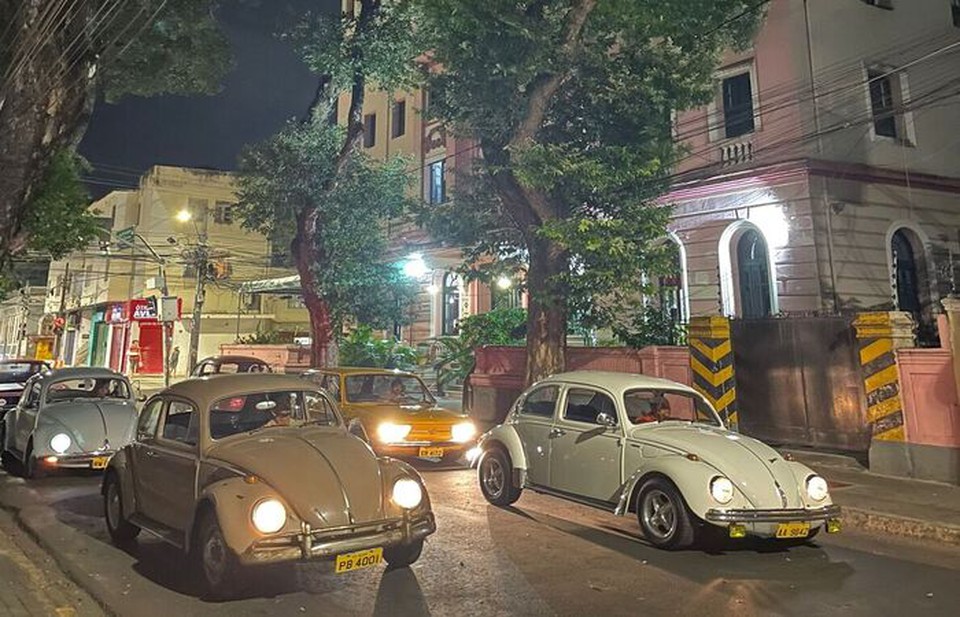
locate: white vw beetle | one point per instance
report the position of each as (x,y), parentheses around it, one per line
(630,443)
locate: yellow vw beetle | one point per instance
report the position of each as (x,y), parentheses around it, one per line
(398,412)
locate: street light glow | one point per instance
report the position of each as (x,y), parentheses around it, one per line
(184,216)
(504,282)
(415,267)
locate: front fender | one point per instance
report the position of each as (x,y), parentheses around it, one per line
(692,479)
(505,436)
(232,500)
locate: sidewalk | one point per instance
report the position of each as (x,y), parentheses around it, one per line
(888,505)
(31,584)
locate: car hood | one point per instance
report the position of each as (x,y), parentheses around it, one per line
(426,414)
(758,471)
(94,423)
(329,477)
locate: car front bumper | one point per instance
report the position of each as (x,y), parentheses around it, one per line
(808,515)
(312,544)
(87,460)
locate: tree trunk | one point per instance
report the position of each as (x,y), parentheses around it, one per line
(546,311)
(304,252)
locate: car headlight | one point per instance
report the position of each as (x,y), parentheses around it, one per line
(721,489)
(389,432)
(269,516)
(465,431)
(817,488)
(407,493)
(60,443)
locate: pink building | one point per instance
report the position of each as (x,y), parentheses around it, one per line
(825,176)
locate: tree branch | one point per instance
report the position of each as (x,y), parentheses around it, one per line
(369,10)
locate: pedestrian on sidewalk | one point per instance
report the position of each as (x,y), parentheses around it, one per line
(174,359)
(133,357)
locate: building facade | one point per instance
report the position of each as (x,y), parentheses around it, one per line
(176,221)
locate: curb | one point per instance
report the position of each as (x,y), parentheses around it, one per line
(903,526)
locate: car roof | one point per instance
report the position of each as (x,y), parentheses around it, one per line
(616,382)
(235,359)
(212,388)
(81,371)
(364,370)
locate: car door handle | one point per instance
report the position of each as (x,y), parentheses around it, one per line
(150,453)
(556,432)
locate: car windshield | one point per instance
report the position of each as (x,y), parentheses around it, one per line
(290,408)
(88,387)
(652,406)
(18,371)
(390,389)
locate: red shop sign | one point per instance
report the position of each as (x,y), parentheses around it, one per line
(145,309)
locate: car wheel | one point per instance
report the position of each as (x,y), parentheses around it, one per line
(402,555)
(217,563)
(31,466)
(122,532)
(663,515)
(496,478)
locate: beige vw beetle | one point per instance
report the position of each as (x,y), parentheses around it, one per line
(629,443)
(252,469)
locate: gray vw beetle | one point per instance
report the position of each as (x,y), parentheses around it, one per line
(630,443)
(73,418)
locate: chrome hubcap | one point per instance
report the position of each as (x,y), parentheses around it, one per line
(659,514)
(493,476)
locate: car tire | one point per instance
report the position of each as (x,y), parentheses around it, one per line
(663,515)
(122,532)
(217,564)
(495,474)
(31,466)
(402,555)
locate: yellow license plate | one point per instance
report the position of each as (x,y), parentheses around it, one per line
(99,462)
(349,562)
(430,453)
(793,530)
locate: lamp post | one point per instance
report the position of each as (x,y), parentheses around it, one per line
(201,261)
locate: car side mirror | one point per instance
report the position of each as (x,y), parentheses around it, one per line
(355,428)
(141,398)
(605,419)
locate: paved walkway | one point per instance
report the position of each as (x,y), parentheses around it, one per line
(31,584)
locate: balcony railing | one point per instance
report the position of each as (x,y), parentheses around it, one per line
(736,153)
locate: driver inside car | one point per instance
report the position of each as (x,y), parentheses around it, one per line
(398,392)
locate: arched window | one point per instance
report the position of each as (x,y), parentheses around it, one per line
(753,275)
(450,304)
(671,292)
(906,274)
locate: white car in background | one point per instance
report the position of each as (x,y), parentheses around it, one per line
(630,443)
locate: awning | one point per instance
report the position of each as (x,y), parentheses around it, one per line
(282,285)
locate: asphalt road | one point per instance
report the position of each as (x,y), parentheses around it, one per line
(543,557)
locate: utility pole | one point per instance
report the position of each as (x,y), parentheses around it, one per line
(164,291)
(201,259)
(61,314)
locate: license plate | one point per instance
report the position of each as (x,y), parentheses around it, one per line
(349,562)
(793,530)
(430,453)
(99,462)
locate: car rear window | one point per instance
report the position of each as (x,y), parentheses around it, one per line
(88,388)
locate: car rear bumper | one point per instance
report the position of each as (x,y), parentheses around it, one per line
(328,543)
(807,515)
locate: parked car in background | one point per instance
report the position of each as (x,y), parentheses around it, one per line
(629,443)
(13,375)
(216,365)
(398,412)
(243,470)
(71,418)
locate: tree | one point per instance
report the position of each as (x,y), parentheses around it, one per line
(54,58)
(570,104)
(288,180)
(312,177)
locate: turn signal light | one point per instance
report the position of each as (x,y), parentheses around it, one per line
(251,479)
(738,531)
(833,525)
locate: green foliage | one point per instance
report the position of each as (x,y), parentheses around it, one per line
(586,176)
(455,358)
(649,325)
(295,170)
(362,348)
(182,51)
(267,337)
(57,218)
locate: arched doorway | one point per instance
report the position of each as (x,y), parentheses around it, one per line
(906,273)
(450,304)
(753,275)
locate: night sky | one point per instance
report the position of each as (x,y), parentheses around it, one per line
(267,86)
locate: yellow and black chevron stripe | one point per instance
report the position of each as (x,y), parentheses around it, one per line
(882,385)
(711,361)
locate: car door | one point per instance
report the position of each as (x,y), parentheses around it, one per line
(27,412)
(585,454)
(167,473)
(535,418)
(147,425)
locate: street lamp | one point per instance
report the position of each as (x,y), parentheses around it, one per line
(184,215)
(504,282)
(415,267)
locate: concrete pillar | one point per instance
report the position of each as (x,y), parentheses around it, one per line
(879,335)
(711,362)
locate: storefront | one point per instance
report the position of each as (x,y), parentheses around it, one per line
(99,339)
(119,328)
(136,337)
